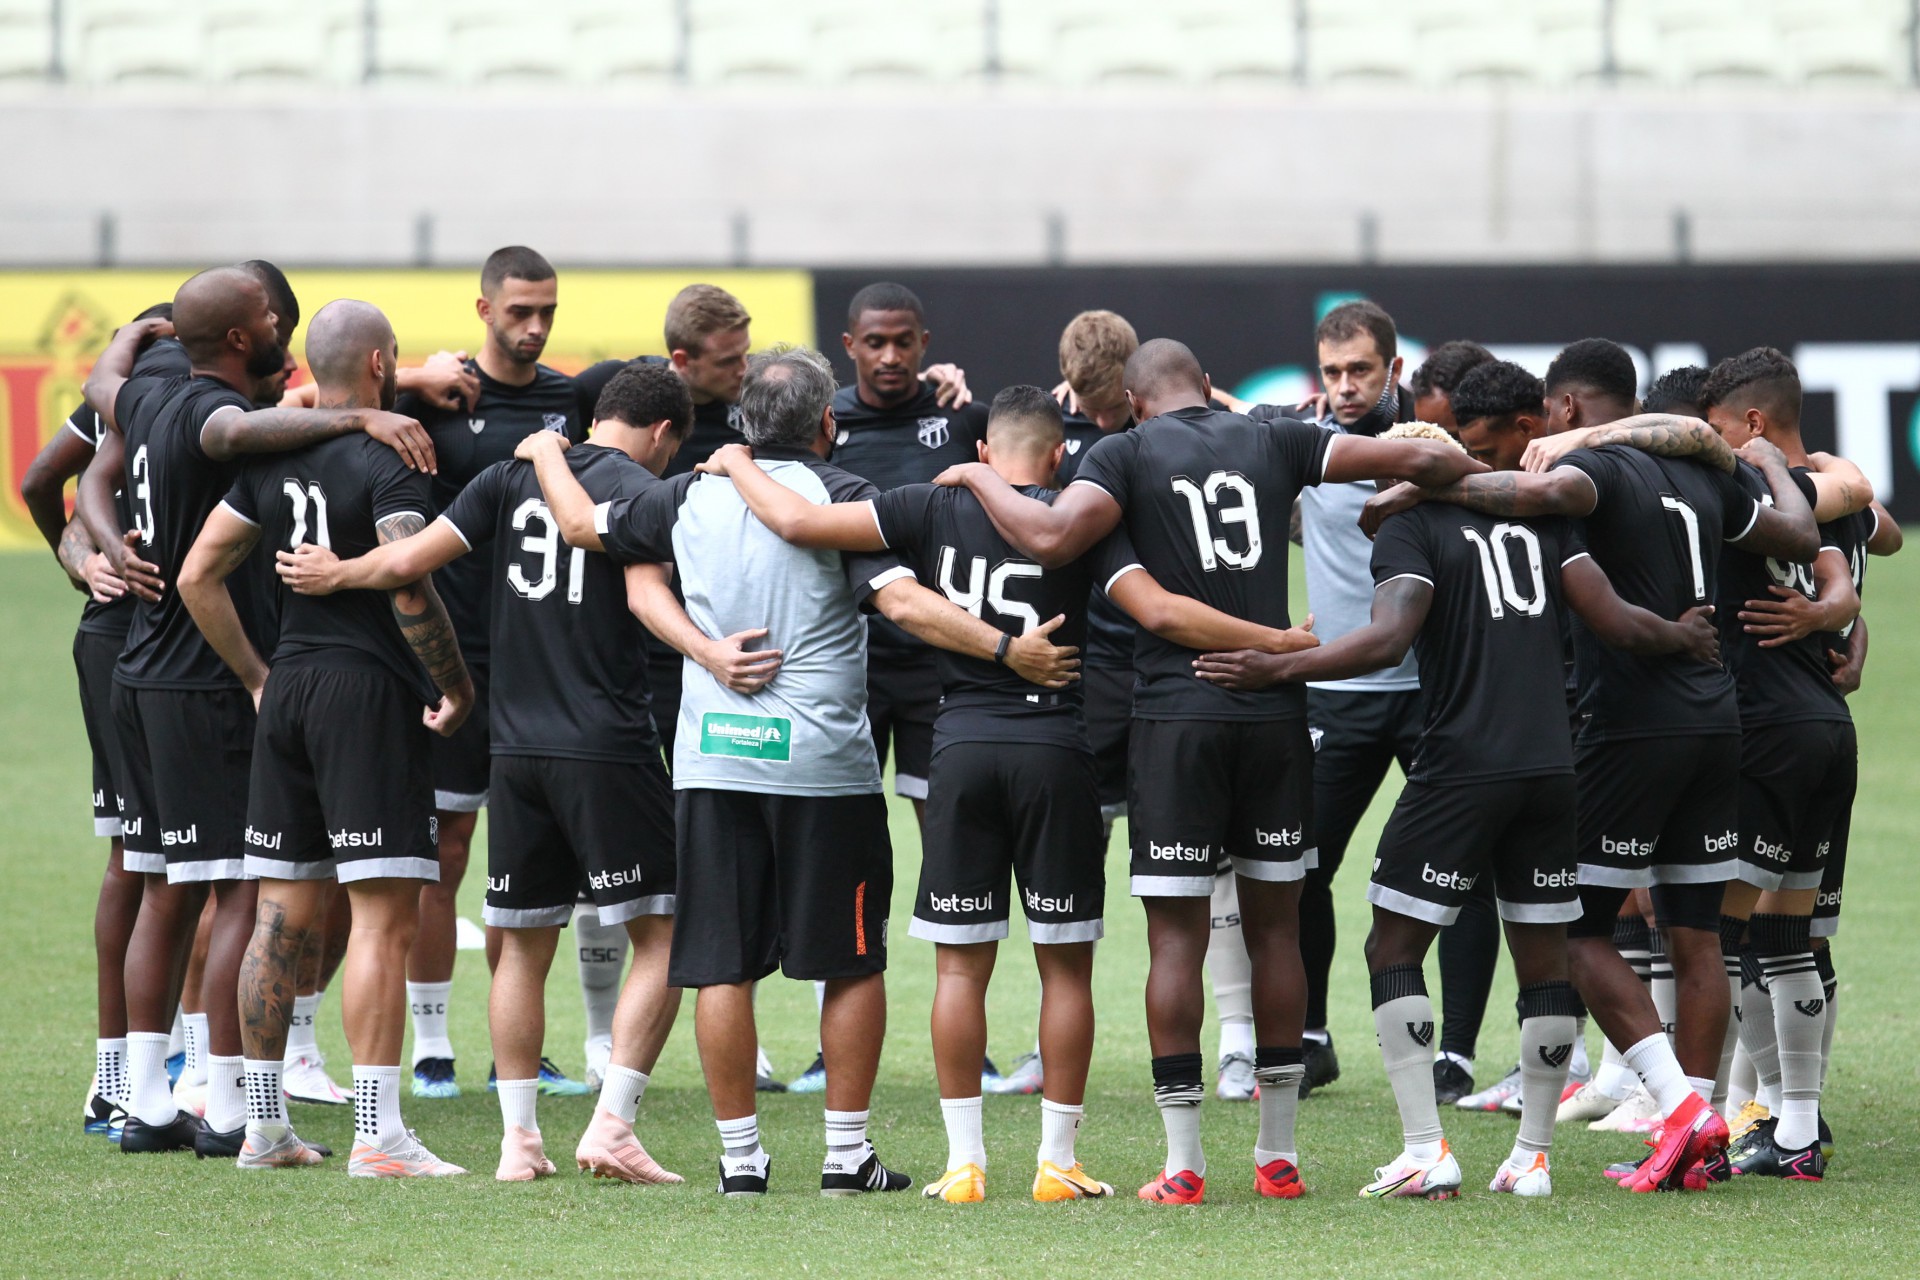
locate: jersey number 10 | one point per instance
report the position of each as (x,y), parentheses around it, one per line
(1496,569)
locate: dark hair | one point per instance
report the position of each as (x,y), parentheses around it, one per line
(1025,402)
(885,296)
(1764,373)
(159,311)
(1678,391)
(279,291)
(515,262)
(1597,364)
(1350,319)
(1496,389)
(645,393)
(1446,364)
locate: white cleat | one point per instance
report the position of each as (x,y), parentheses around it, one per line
(304,1079)
(1407,1178)
(1494,1095)
(406,1158)
(1636,1114)
(1584,1104)
(1236,1079)
(1532,1181)
(284,1152)
(1027,1076)
(599,1057)
(191,1097)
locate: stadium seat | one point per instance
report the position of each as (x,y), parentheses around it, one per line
(137,45)
(741,41)
(937,40)
(628,43)
(1232,45)
(412,42)
(500,49)
(1131,49)
(26,43)
(319,44)
(1371,43)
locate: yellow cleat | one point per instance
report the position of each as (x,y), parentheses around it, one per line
(965,1185)
(1751,1114)
(1053,1183)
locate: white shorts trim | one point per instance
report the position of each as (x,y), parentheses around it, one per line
(1825,926)
(1707,873)
(1056,932)
(1761,878)
(1539,912)
(906,784)
(1405,904)
(146,864)
(957,934)
(277,869)
(1794,880)
(1278,872)
(525,917)
(207,870)
(654,904)
(1609,877)
(459,801)
(108,827)
(427,869)
(1170,886)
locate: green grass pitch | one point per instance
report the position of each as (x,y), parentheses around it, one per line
(73,1205)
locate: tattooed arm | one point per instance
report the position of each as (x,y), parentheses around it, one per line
(423,621)
(1666,434)
(223,546)
(231,431)
(90,569)
(1564,491)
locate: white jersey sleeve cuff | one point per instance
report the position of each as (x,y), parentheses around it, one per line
(1578,555)
(1752,520)
(1417,577)
(465,541)
(600,518)
(873,509)
(1094,483)
(250,523)
(1120,573)
(894,574)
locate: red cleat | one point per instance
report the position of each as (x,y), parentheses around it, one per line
(1279,1180)
(1185,1187)
(1691,1135)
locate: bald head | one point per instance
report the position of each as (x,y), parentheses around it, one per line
(212,306)
(1163,375)
(342,343)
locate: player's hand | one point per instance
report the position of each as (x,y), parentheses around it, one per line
(446,717)
(1064,397)
(308,570)
(1761,451)
(405,437)
(727,457)
(256,691)
(1547,450)
(1701,635)
(1240,669)
(960,474)
(739,668)
(1294,639)
(1846,672)
(1316,402)
(1389,502)
(949,385)
(1035,658)
(99,579)
(142,577)
(445,382)
(1788,617)
(531,446)
(149,329)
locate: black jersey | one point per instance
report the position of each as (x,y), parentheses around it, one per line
(1657,531)
(1779,684)
(171,487)
(334,494)
(946,538)
(1201,490)
(1490,649)
(570,676)
(467,443)
(714,423)
(1850,534)
(1110,640)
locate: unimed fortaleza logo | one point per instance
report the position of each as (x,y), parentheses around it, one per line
(749,737)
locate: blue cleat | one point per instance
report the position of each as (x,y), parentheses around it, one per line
(554,1083)
(433,1078)
(176,1063)
(812,1080)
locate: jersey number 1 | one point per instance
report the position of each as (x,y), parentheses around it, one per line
(1244,511)
(546,544)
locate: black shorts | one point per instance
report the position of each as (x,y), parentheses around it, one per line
(1659,810)
(189,756)
(903,696)
(342,784)
(1833,878)
(1022,811)
(462,763)
(665,674)
(94,657)
(1795,782)
(796,883)
(554,824)
(1203,793)
(1442,839)
(1107,694)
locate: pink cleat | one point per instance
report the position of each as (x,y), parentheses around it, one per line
(608,1149)
(523,1157)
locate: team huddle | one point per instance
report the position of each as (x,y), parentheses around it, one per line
(668,620)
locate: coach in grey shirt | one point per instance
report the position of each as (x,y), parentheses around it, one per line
(784,859)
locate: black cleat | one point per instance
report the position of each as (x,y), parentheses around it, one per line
(837,1179)
(743,1176)
(1826,1140)
(1767,1159)
(1322,1063)
(1759,1136)
(97,1117)
(211,1144)
(1451,1081)
(178,1134)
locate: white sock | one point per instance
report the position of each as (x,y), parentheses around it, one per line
(1059,1126)
(110,1065)
(1760,1037)
(1236,1037)
(301,1041)
(1826,1035)
(517,1099)
(1404,1024)
(1547,1036)
(1458,1060)
(740,1137)
(603,959)
(1799,1013)
(820,1006)
(846,1130)
(177,1035)
(428,1003)
(1228,966)
(194,1070)
(266,1101)
(1279,1103)
(226,1094)
(1665,993)
(1703,1086)
(1653,1061)
(376,1105)
(621,1093)
(1182,1123)
(965,1142)
(1741,1083)
(149,1097)
(1581,1064)
(1614,1079)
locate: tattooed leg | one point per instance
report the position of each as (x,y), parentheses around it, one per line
(290,911)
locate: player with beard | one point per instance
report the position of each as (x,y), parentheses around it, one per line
(341,787)
(519,293)
(186,723)
(1228,769)
(1433,382)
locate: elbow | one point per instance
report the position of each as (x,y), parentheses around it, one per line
(1050,549)
(38,487)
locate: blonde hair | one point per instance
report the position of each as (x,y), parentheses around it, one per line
(1094,348)
(698,312)
(1422,431)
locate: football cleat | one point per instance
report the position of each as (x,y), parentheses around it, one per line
(1052,1184)
(1826,1140)
(812,1080)
(742,1176)
(1027,1077)
(1637,1113)
(1278,1180)
(1236,1083)
(1451,1081)
(764,1080)
(1490,1098)
(304,1079)
(176,1063)
(433,1078)
(599,1053)
(1583,1103)
(1750,1116)
(137,1137)
(1752,1137)
(284,1152)
(555,1083)
(1534,1180)
(96,1117)
(1407,1178)
(855,1173)
(1711,1169)
(964,1185)
(1185,1187)
(217,1144)
(191,1097)
(1515,1104)
(523,1156)
(990,1079)
(1768,1159)
(1692,1134)
(406,1158)
(608,1149)
(1322,1064)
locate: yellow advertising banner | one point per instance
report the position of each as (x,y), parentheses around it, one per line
(53,324)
